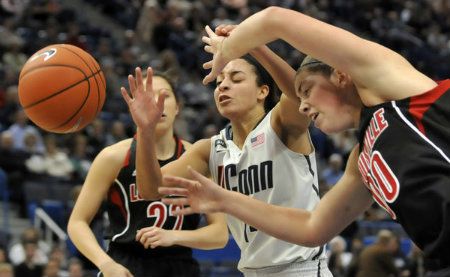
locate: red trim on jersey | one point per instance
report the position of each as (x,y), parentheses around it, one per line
(126,161)
(179,147)
(114,195)
(419,104)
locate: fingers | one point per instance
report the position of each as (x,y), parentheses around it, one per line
(209,31)
(160,102)
(149,81)
(208,49)
(208,65)
(132,85)
(206,40)
(209,78)
(174,181)
(224,29)
(126,96)
(139,79)
(177,201)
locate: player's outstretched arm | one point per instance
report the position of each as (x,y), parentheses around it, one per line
(101,175)
(212,236)
(146,111)
(379,73)
(335,211)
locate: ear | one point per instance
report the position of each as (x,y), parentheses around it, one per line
(341,79)
(263,92)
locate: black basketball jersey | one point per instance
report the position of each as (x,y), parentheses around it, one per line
(405,162)
(128,212)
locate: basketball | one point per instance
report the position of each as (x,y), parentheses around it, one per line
(61,88)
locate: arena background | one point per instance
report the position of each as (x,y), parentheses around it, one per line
(123,34)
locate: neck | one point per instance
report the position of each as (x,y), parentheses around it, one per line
(242,127)
(165,145)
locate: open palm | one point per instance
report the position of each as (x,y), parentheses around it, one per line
(144,108)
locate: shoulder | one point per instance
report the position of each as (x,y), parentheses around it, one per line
(115,153)
(201,147)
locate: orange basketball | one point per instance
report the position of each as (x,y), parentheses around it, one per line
(61,88)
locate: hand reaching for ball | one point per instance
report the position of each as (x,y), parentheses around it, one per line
(145,109)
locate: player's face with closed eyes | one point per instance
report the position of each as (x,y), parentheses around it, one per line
(236,91)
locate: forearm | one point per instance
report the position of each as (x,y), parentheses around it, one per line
(148,172)
(249,34)
(212,236)
(288,224)
(282,73)
(83,238)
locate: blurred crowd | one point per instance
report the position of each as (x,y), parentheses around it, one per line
(166,34)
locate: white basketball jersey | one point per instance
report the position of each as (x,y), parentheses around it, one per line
(267,170)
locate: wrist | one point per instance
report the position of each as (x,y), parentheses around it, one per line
(146,132)
(224,202)
(102,265)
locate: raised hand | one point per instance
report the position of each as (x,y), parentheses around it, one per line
(152,237)
(144,108)
(201,195)
(214,45)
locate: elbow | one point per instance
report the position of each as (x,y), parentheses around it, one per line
(223,241)
(220,240)
(71,228)
(312,241)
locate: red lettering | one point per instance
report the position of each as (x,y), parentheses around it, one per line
(134,194)
(384,177)
(159,211)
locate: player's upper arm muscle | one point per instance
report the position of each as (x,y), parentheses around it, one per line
(196,156)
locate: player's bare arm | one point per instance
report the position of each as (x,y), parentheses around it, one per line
(378,72)
(335,211)
(288,123)
(101,175)
(212,236)
(146,111)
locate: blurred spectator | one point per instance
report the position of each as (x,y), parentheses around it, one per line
(54,162)
(415,263)
(377,259)
(12,161)
(75,268)
(52,269)
(117,133)
(14,58)
(21,127)
(3,255)
(333,171)
(18,253)
(336,256)
(29,267)
(96,136)
(10,107)
(6,270)
(80,158)
(356,248)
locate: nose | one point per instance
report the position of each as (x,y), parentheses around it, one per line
(223,86)
(303,107)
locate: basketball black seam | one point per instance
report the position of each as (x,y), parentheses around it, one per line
(60,91)
(81,106)
(87,64)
